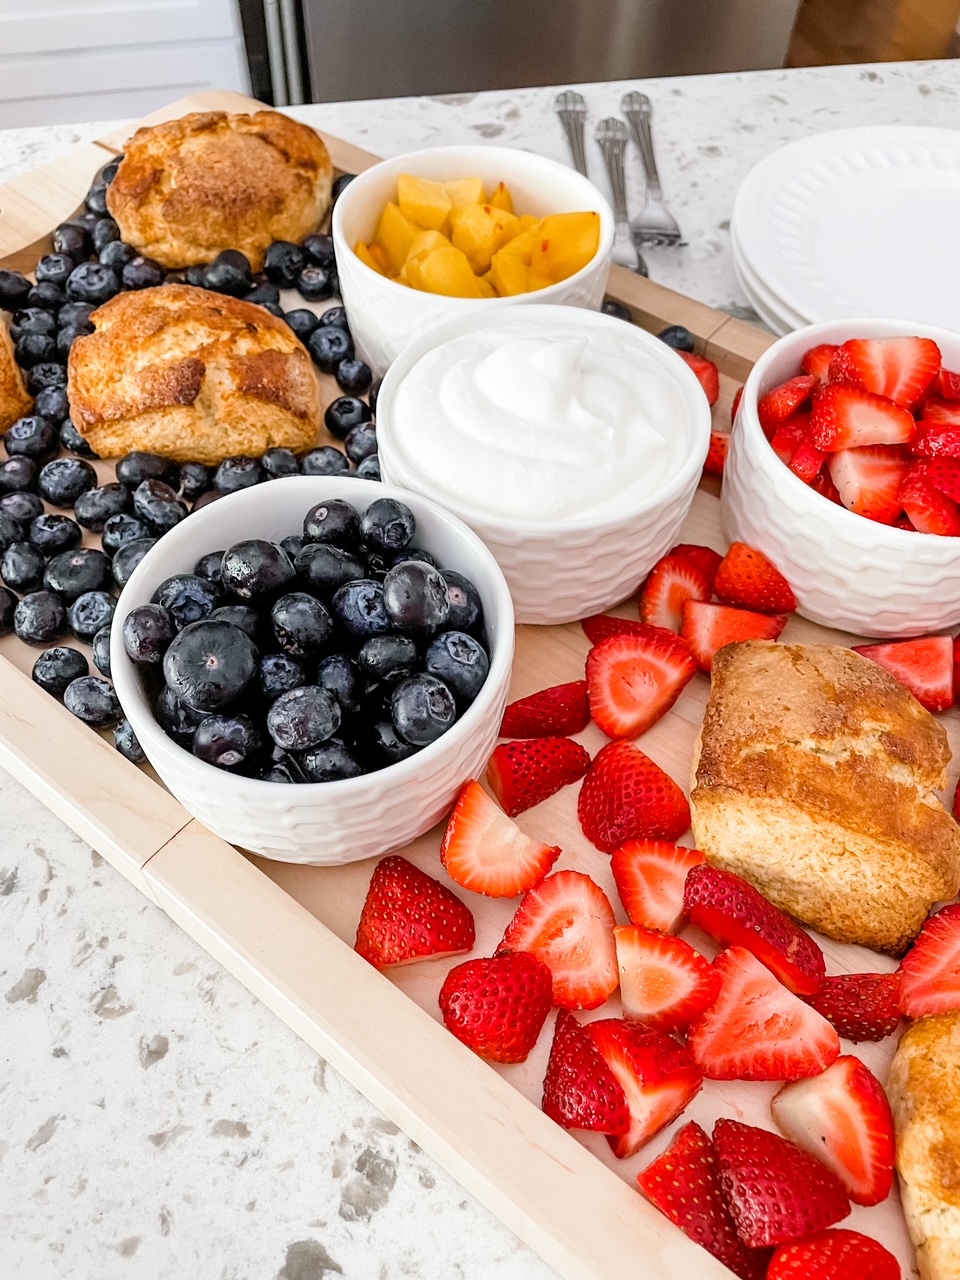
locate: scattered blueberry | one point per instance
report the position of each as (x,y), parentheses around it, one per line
(104,232)
(53,533)
(22,507)
(142,273)
(336,316)
(128,557)
(35,348)
(32,320)
(62,481)
(71,573)
(283,263)
(354,377)
(318,249)
(302,322)
(369,468)
(52,403)
(329,344)
(48,373)
(159,505)
(325,461)
(39,618)
(48,295)
(89,613)
(195,479)
(265,295)
(92,700)
(75,315)
(116,254)
(72,440)
(54,266)
(228,273)
(8,603)
(56,668)
(277,463)
(14,288)
(22,566)
(678,337)
(125,740)
(11,529)
(133,468)
(96,200)
(100,649)
(31,437)
(92,282)
(121,528)
(72,240)
(238,473)
(95,507)
(18,475)
(361,442)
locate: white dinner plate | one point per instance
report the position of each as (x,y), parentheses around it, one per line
(768,307)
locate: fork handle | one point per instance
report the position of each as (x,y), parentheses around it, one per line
(571,110)
(638,110)
(612,145)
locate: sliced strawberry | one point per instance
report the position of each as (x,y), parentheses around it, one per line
(757,1029)
(733,912)
(650,876)
(942,473)
(930,510)
(684,1184)
(708,375)
(625,796)
(485,851)
(708,627)
(930,971)
(948,385)
(497,1005)
(717,453)
(524,773)
(868,480)
(900,368)
(861,1006)
(672,580)
(634,680)
(407,916)
(601,626)
(823,483)
(747,578)
(783,401)
(706,559)
(735,404)
(567,923)
(817,361)
(664,983)
(550,713)
(579,1090)
(924,666)
(846,418)
(839,1254)
(956,668)
(843,1119)
(776,1192)
(945,413)
(807,461)
(936,440)
(789,436)
(657,1075)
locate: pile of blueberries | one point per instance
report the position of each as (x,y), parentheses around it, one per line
(328,655)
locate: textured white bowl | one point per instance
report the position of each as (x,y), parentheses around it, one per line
(559,571)
(385,316)
(845,571)
(321,823)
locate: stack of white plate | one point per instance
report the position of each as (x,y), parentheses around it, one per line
(858,222)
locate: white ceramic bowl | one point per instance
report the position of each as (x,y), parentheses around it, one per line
(559,571)
(385,316)
(328,822)
(846,571)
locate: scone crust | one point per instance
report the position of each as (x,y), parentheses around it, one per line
(189,188)
(191,375)
(15,399)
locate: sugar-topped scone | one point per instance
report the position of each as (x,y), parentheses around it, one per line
(15,399)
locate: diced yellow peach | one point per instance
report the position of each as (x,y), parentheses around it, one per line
(465,191)
(528,220)
(424,241)
(565,242)
(502,199)
(446,271)
(425,203)
(537,281)
(479,230)
(508,273)
(486,288)
(393,236)
(366,254)
(521,246)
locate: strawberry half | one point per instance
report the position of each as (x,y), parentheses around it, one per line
(838,1254)
(817,361)
(601,626)
(567,923)
(807,461)
(524,773)
(868,480)
(784,401)
(650,875)
(843,1119)
(625,796)
(788,437)
(942,473)
(847,418)
(634,680)
(948,384)
(684,1184)
(716,458)
(747,578)
(900,368)
(930,971)
(657,1075)
(485,851)
(776,1192)
(945,413)
(708,627)
(757,1029)
(672,580)
(407,916)
(706,559)
(579,1090)
(936,440)
(497,1005)
(924,666)
(735,404)
(664,983)
(930,510)
(551,713)
(733,912)
(708,375)
(861,1006)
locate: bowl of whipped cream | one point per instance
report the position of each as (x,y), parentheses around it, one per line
(570,441)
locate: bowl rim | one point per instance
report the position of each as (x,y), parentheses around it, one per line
(131,694)
(689,384)
(469,306)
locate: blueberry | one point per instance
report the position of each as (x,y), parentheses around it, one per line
(11,529)
(373,394)
(265,295)
(141,273)
(256,568)
(176,719)
(196,275)
(72,240)
(325,461)
(188,598)
(31,437)
(318,249)
(92,282)
(238,473)
(39,618)
(678,337)
(415,598)
(56,668)
(330,762)
(71,573)
(14,288)
(293,544)
(35,348)
(336,316)
(380,744)
(52,403)
(466,610)
(100,648)
(302,322)
(92,700)
(159,505)
(279,462)
(227,742)
(116,254)
(228,273)
(72,440)
(148,631)
(329,344)
(48,373)
(62,481)
(334,521)
(422,708)
(18,475)
(94,508)
(105,232)
(121,528)
(126,742)
(52,533)
(243,616)
(128,557)
(279,673)
(133,468)
(387,525)
(194,479)
(460,661)
(48,295)
(354,377)
(274,308)
(369,468)
(313,283)
(208,567)
(344,414)
(212,495)
(32,320)
(282,263)
(358,607)
(54,266)
(89,613)
(387,658)
(379,563)
(303,718)
(301,625)
(22,507)
(280,771)
(87,220)
(361,442)
(611,307)
(340,675)
(67,337)
(210,664)
(76,315)
(22,566)
(96,200)
(325,568)
(8,603)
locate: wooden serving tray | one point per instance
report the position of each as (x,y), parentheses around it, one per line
(287,931)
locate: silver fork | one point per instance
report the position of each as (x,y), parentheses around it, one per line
(611,135)
(653,224)
(572,110)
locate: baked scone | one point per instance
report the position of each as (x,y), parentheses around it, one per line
(187,188)
(924,1092)
(15,399)
(816,780)
(191,375)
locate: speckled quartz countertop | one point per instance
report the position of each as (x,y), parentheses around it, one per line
(155,1119)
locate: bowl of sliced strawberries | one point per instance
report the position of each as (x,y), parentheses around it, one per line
(844,470)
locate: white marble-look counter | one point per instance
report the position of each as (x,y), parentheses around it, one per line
(155,1120)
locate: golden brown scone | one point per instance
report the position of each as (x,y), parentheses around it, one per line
(924,1092)
(191,375)
(816,780)
(188,188)
(15,399)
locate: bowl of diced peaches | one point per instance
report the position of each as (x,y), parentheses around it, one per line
(434,235)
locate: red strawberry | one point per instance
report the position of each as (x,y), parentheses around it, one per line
(839,1254)
(945,413)
(708,375)
(625,796)
(817,361)
(567,923)
(551,713)
(733,912)
(717,453)
(601,626)
(706,559)
(748,579)
(846,418)
(664,983)
(672,580)
(407,916)
(776,1192)
(735,404)
(497,1005)
(930,971)
(708,627)
(579,1090)
(485,851)
(657,1075)
(823,483)
(942,473)
(868,480)
(684,1184)
(899,368)
(842,1118)
(783,401)
(956,667)
(524,773)
(948,385)
(634,680)
(861,1006)
(925,666)
(807,461)
(930,511)
(789,436)
(650,875)
(757,1029)
(936,440)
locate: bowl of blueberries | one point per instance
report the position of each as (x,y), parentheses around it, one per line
(314,667)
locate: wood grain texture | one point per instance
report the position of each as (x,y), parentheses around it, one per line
(838,31)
